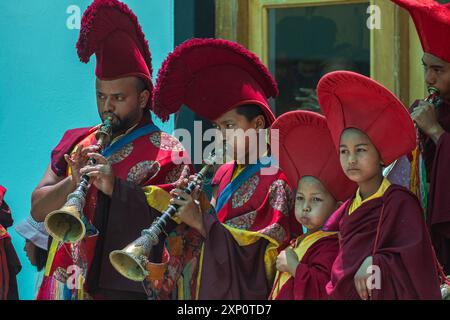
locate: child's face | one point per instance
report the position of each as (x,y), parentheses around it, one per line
(313,203)
(360,159)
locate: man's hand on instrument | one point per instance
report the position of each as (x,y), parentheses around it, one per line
(201,197)
(424,115)
(78,160)
(101,174)
(189,211)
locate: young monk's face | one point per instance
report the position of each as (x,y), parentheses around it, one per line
(239,132)
(313,203)
(359,158)
(437,74)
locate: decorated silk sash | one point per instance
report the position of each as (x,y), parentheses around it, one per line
(150,128)
(231,188)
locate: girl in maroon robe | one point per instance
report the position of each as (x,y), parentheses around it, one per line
(385,250)
(304,268)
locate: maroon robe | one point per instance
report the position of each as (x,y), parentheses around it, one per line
(437,159)
(231,271)
(429,147)
(403,251)
(262,204)
(9,261)
(312,273)
(439,202)
(112,216)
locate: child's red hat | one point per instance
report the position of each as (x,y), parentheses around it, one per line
(351,100)
(306,149)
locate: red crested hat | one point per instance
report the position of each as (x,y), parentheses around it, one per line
(351,100)
(111,31)
(432,21)
(211,77)
(2,191)
(306,149)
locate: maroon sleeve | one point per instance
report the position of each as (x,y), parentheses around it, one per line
(9,261)
(14,268)
(404,255)
(438,217)
(117,228)
(6,219)
(333,222)
(2,193)
(229,270)
(68,141)
(439,207)
(314,272)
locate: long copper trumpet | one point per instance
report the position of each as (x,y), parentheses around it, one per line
(131,261)
(67,224)
(433,96)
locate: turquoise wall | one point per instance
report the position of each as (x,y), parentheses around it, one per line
(45,90)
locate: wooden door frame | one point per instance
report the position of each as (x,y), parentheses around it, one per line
(394,48)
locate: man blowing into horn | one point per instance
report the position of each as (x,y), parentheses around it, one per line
(139,155)
(432,21)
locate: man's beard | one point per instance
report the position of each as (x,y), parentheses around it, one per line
(118,125)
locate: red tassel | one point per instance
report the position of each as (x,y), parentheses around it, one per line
(269,85)
(86,45)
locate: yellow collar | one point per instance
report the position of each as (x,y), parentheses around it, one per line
(300,247)
(357,202)
(237,169)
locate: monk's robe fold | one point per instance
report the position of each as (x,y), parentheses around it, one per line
(141,157)
(439,201)
(118,219)
(429,147)
(231,271)
(436,158)
(403,252)
(70,138)
(9,261)
(313,271)
(236,259)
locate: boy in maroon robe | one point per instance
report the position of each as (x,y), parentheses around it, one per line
(227,251)
(385,249)
(432,21)
(309,160)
